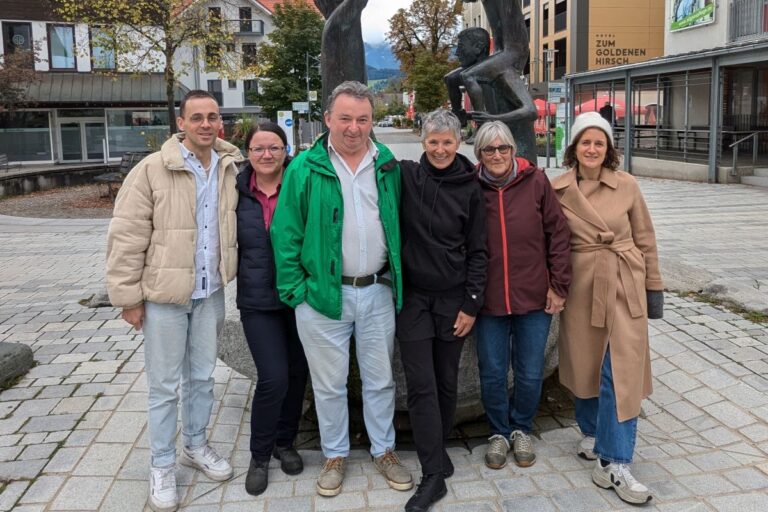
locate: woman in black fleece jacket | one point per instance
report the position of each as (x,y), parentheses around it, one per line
(444,262)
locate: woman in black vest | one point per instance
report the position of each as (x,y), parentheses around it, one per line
(269,325)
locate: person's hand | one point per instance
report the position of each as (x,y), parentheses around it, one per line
(555,303)
(134,316)
(463,324)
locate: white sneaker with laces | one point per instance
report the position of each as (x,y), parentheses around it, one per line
(162,489)
(618,477)
(208,461)
(586,448)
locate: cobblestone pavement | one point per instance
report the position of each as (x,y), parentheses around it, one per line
(73,430)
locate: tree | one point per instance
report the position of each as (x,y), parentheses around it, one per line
(287,57)
(149,34)
(17,72)
(427,26)
(426,80)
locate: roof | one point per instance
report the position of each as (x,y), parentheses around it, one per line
(84,89)
(270,4)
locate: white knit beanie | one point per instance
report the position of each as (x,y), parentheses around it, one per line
(590,120)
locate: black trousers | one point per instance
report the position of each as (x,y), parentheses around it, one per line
(282,369)
(431,365)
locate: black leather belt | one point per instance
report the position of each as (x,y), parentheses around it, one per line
(362,281)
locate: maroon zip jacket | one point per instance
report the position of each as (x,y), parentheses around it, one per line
(529,247)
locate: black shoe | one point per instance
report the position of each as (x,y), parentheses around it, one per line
(447,466)
(431,489)
(290,460)
(258,477)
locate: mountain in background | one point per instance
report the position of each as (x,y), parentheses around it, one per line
(379,56)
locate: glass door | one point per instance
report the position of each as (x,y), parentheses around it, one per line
(71,142)
(94,140)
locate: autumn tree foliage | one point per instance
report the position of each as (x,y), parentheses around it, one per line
(421,37)
(148,35)
(17,72)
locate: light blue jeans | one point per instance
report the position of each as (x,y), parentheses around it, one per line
(369,314)
(614,439)
(180,347)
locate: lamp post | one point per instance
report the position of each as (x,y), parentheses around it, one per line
(549,54)
(309,100)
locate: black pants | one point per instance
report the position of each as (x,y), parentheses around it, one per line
(430,354)
(282,377)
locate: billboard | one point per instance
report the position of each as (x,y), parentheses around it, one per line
(691,14)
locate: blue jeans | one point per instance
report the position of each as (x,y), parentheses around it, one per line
(180,345)
(519,341)
(369,314)
(614,440)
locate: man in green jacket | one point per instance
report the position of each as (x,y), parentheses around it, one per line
(336,239)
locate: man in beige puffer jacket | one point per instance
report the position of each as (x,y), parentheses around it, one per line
(171,250)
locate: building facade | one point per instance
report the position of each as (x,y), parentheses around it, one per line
(94,104)
(701,111)
(569,36)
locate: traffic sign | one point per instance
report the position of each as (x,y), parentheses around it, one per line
(302,107)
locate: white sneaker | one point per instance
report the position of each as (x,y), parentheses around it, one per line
(162,489)
(618,477)
(208,461)
(587,448)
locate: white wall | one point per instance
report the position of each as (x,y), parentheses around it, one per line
(698,38)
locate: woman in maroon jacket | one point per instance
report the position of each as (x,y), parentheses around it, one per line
(529,271)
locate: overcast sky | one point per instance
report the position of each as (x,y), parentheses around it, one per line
(376,18)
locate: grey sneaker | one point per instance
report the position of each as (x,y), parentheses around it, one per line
(618,477)
(522,448)
(331,477)
(397,476)
(208,461)
(586,448)
(162,489)
(496,455)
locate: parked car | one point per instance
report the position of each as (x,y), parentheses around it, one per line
(386,122)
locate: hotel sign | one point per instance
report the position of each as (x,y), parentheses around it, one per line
(691,14)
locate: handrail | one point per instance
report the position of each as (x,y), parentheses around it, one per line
(735,147)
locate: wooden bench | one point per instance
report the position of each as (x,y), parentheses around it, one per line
(5,166)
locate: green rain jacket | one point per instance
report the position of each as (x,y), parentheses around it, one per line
(306,229)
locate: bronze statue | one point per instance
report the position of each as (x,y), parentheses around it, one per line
(494,82)
(343,53)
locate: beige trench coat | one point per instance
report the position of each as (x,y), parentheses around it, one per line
(614,258)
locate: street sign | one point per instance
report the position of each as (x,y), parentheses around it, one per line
(302,107)
(556,91)
(285,121)
(312,96)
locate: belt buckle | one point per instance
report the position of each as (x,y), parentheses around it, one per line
(354,282)
(375,278)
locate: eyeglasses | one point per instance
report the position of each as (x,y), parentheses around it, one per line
(274,150)
(502,148)
(199,118)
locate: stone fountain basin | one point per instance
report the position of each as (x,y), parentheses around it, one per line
(233,350)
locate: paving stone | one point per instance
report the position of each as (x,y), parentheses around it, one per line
(537,503)
(744,396)
(679,467)
(475,490)
(102,459)
(741,502)
(474,506)
(679,381)
(714,461)
(707,485)
(580,500)
(730,415)
(21,469)
(43,489)
(123,427)
(344,501)
(64,460)
(276,505)
(82,493)
(747,478)
(38,451)
(51,423)
(10,495)
(702,396)
(37,407)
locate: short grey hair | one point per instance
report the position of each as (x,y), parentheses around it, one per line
(439,121)
(488,132)
(350,88)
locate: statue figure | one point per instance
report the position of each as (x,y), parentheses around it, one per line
(343,53)
(493,82)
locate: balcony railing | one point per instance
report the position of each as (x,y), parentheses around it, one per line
(748,19)
(561,21)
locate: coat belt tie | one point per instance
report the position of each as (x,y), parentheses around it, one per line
(605,282)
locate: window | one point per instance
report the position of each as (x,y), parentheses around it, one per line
(214,87)
(545,21)
(102,49)
(526,3)
(212,56)
(250,90)
(250,55)
(130,130)
(561,16)
(232,84)
(246,24)
(25,135)
(61,43)
(17,36)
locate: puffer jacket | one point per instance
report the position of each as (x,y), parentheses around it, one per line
(153,232)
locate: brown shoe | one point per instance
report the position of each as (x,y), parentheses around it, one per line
(331,477)
(398,477)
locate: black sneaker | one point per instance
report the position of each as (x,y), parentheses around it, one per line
(290,460)
(258,477)
(447,465)
(431,489)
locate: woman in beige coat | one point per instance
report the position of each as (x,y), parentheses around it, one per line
(616,287)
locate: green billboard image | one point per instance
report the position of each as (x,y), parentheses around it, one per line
(691,13)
